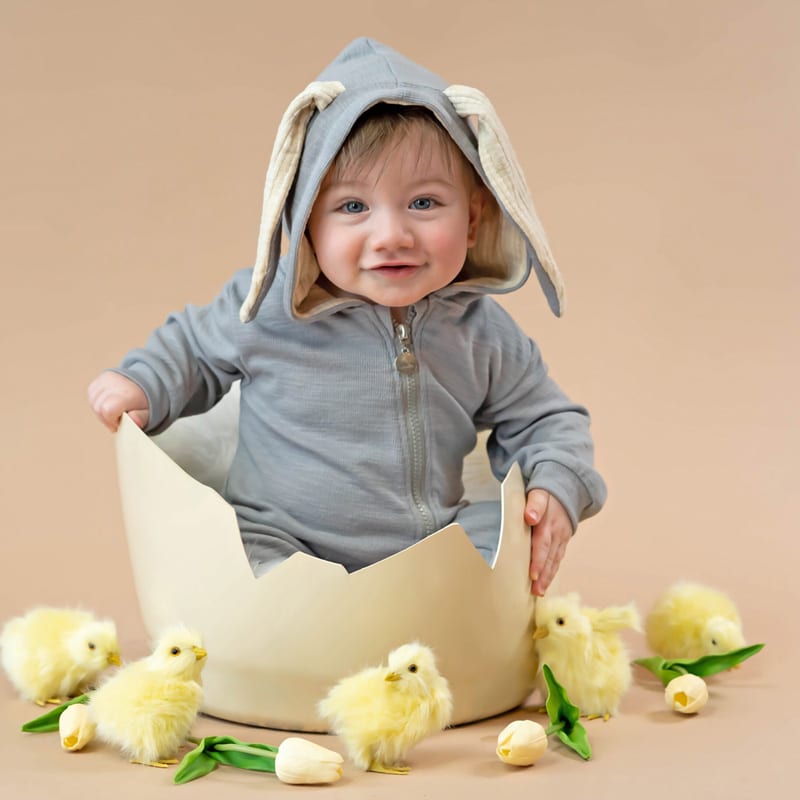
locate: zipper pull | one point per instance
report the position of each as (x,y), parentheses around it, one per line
(406,361)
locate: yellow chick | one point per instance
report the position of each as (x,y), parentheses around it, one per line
(382,712)
(583,648)
(689,620)
(51,654)
(148,707)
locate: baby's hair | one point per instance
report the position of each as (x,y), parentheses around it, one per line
(386,125)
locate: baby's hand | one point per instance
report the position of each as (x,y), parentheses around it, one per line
(110,394)
(551,530)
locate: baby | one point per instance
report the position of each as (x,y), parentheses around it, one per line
(372,352)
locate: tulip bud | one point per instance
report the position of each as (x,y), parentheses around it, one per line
(75,729)
(521,743)
(686,693)
(301,761)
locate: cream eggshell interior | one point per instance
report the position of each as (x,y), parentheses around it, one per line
(276,644)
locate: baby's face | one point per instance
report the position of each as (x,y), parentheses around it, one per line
(399,229)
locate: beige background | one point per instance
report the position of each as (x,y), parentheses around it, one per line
(660,140)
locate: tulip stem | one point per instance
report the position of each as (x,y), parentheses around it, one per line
(243,748)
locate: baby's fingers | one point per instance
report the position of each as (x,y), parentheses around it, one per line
(139,416)
(111,394)
(536,506)
(550,568)
(541,548)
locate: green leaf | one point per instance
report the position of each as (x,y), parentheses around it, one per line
(660,667)
(564,717)
(244,755)
(48,722)
(558,705)
(666,669)
(228,750)
(195,764)
(578,740)
(711,665)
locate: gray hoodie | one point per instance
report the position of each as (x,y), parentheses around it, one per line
(342,455)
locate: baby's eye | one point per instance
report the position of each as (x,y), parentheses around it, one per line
(412,667)
(353,207)
(422,203)
(176,651)
(92,645)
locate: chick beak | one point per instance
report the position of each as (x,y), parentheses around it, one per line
(199,653)
(392,677)
(541,632)
(113,658)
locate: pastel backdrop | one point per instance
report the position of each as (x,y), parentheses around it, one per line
(660,144)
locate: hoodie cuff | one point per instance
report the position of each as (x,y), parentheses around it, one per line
(146,379)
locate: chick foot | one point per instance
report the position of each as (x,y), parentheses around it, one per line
(51,701)
(605,717)
(162,764)
(388,769)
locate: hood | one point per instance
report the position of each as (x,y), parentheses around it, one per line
(508,244)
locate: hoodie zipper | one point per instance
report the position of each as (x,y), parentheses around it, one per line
(405,363)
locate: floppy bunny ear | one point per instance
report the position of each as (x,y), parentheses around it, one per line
(280,175)
(506,178)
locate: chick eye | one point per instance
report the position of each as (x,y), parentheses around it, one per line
(92,645)
(175,651)
(412,667)
(714,642)
(560,621)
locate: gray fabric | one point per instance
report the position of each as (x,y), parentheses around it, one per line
(328,454)
(323,459)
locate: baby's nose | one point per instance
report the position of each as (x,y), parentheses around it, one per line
(391,231)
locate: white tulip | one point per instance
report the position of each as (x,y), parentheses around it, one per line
(521,743)
(75,728)
(301,761)
(686,693)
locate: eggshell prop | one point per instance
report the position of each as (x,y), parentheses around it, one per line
(279,642)
(686,694)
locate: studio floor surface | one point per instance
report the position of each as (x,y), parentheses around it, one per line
(739,747)
(659,141)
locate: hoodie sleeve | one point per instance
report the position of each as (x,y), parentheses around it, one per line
(535,424)
(190,362)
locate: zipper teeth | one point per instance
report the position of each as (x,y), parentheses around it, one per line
(410,386)
(418,452)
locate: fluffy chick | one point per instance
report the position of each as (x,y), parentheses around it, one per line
(583,648)
(51,654)
(382,712)
(689,620)
(147,709)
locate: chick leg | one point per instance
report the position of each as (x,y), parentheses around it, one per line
(388,769)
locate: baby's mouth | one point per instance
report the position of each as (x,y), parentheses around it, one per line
(397,270)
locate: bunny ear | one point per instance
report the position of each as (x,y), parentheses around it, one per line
(280,175)
(507,181)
